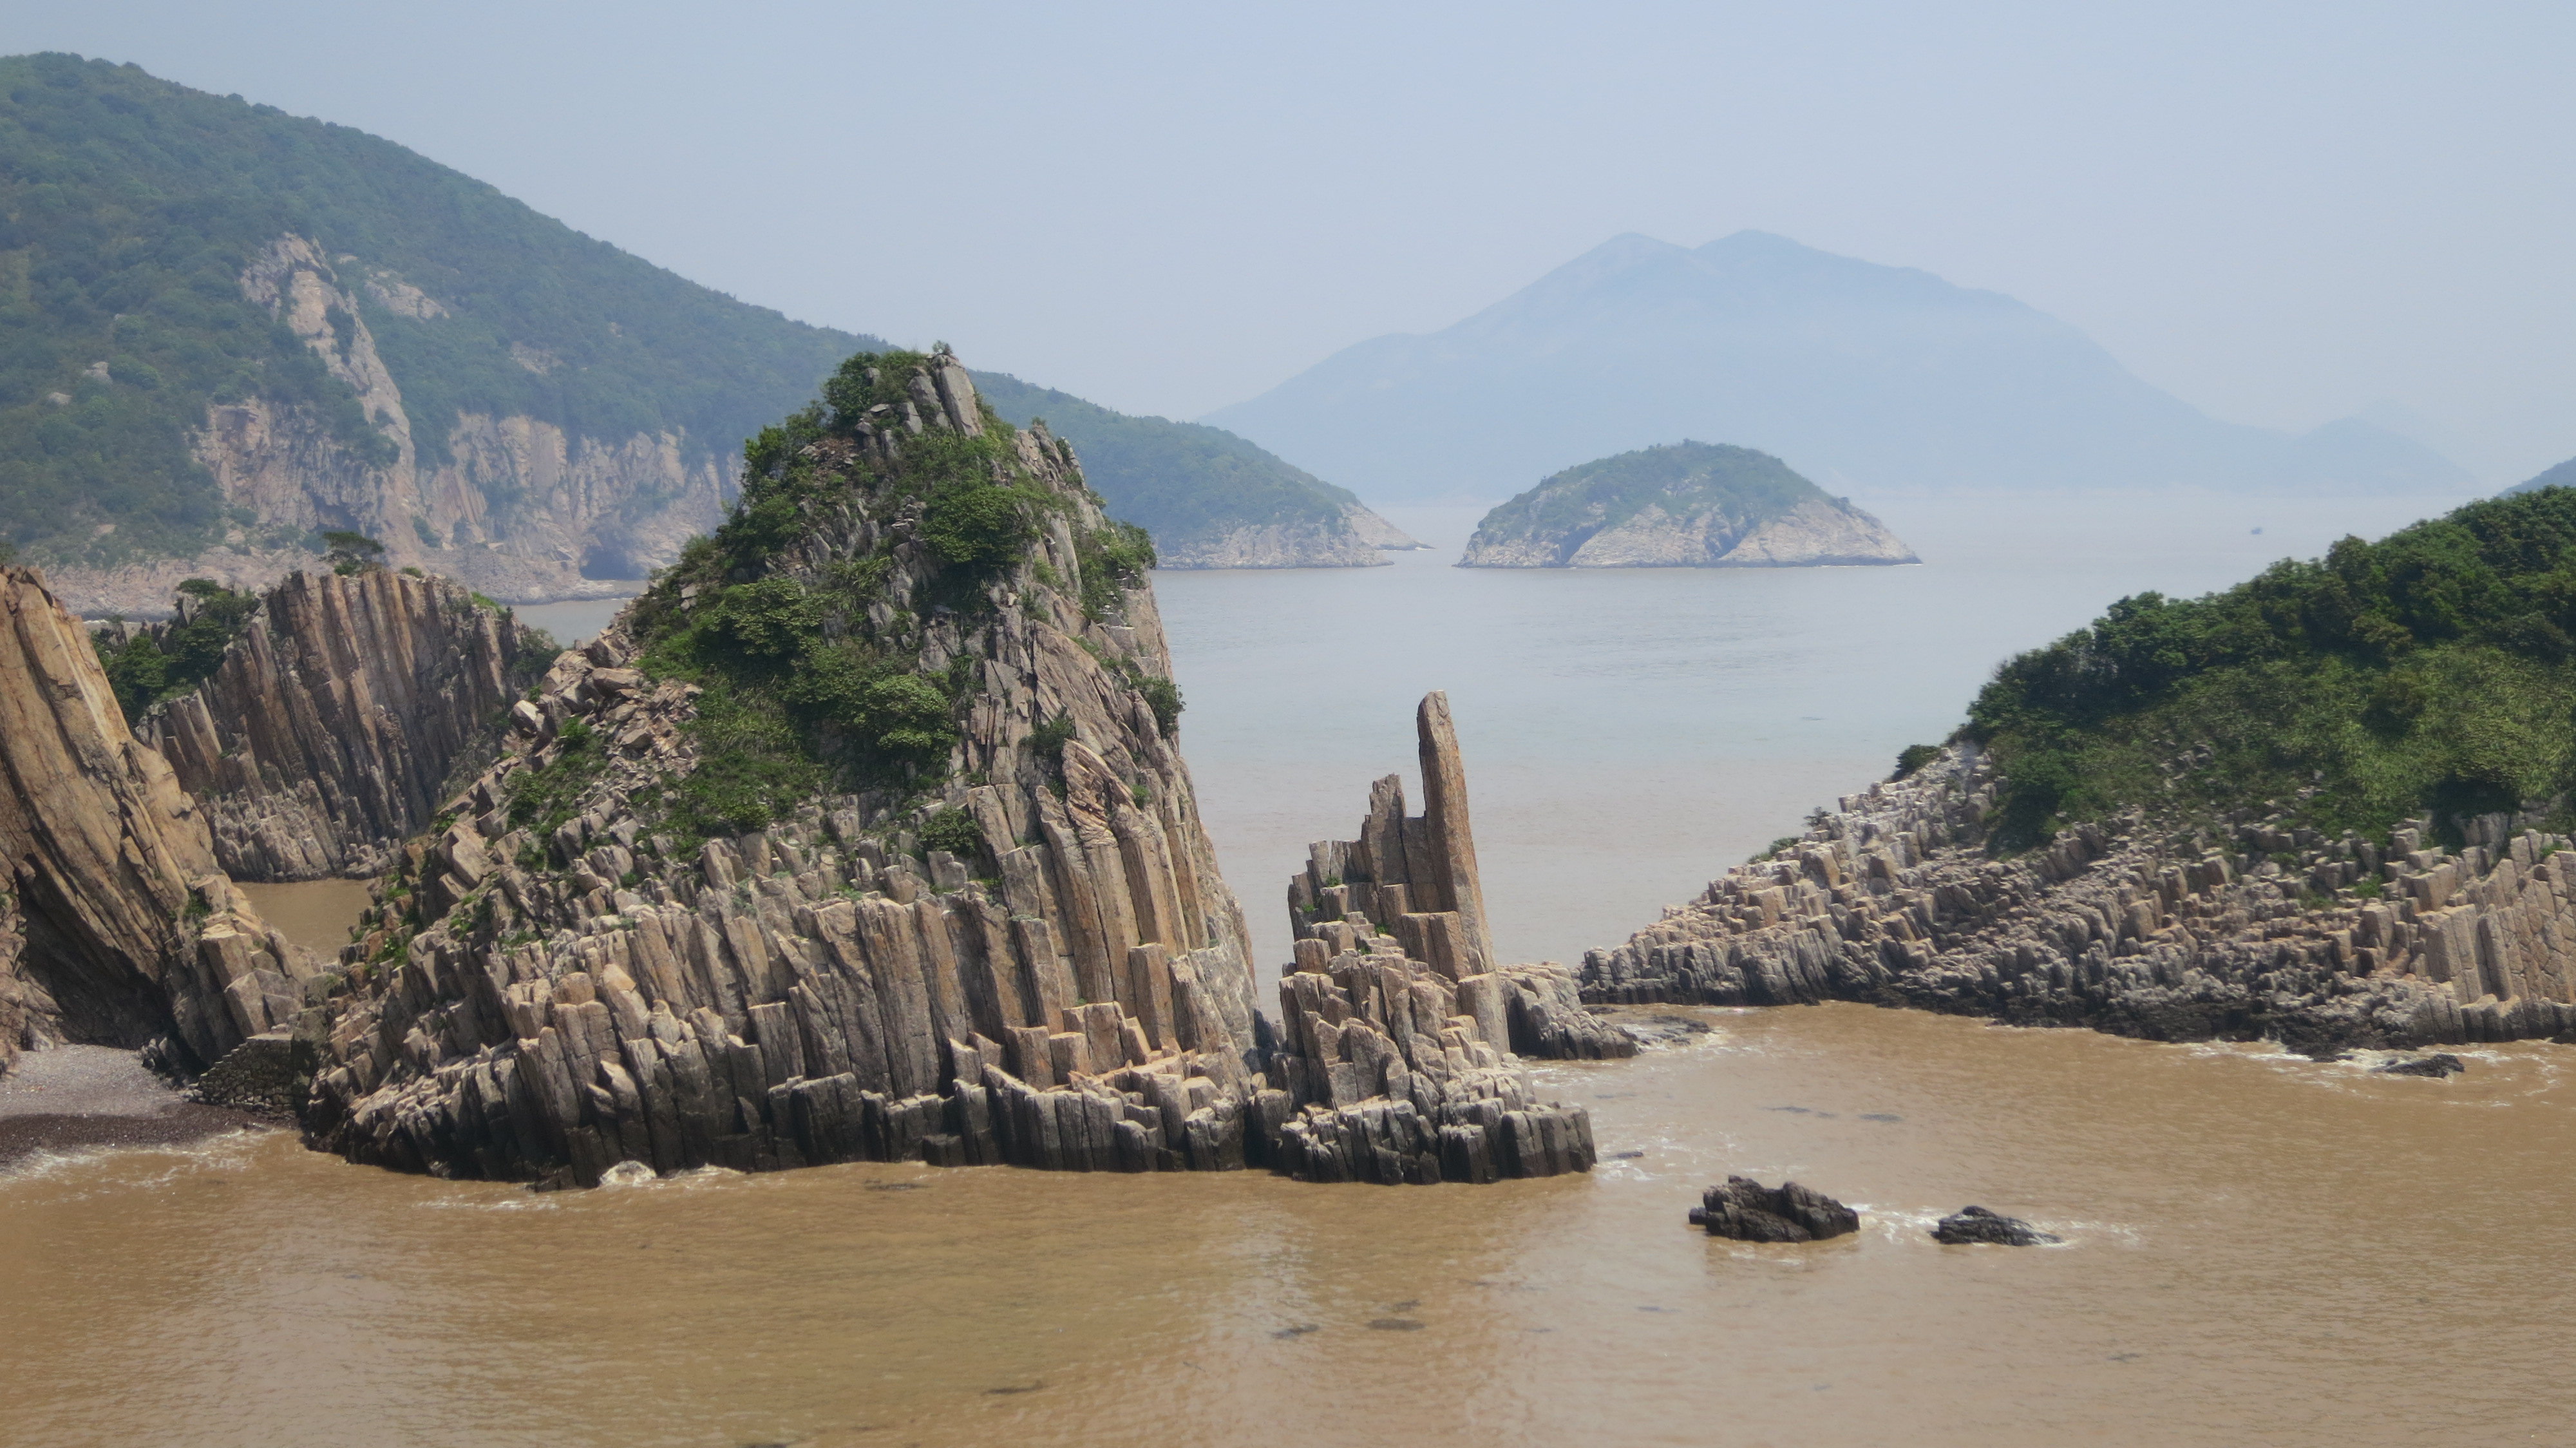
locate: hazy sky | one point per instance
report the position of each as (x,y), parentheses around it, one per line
(2284,213)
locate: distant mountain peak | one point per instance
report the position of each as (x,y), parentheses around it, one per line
(1889,377)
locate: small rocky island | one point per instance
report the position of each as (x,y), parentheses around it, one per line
(1684,505)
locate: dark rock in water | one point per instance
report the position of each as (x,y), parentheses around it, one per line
(1748,1211)
(2437,1065)
(1662,1030)
(1976,1224)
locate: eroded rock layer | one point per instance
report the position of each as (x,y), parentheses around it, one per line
(2255,932)
(542,994)
(326,735)
(116,928)
(1397,1048)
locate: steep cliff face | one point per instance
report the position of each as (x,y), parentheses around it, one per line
(2128,928)
(117,928)
(1690,505)
(511,505)
(1019,950)
(324,738)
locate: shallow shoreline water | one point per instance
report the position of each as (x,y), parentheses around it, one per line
(2260,1248)
(2235,1271)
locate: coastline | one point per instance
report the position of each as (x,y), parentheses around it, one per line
(77,1096)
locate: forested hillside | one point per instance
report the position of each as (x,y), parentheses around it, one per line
(129,211)
(2431,672)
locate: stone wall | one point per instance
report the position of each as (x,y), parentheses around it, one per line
(116,928)
(323,740)
(2128,927)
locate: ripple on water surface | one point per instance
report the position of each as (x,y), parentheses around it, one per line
(2249,1258)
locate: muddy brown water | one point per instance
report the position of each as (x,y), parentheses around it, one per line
(315,914)
(2260,1249)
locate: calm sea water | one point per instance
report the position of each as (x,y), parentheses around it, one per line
(2260,1249)
(1629,731)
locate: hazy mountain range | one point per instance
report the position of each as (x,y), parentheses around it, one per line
(1867,378)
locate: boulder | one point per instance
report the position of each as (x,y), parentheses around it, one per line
(1976,1224)
(1748,1211)
(2436,1064)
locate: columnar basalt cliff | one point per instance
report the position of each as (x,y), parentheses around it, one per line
(2129,928)
(1004,940)
(116,928)
(327,735)
(1399,1039)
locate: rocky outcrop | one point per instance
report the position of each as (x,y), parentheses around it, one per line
(1396,1048)
(1409,888)
(2438,1065)
(1353,539)
(1377,532)
(511,505)
(1748,1211)
(326,736)
(116,928)
(1691,505)
(545,992)
(1971,1225)
(2172,934)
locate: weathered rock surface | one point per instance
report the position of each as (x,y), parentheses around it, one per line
(1409,887)
(1356,538)
(1748,1211)
(1396,1049)
(2169,935)
(1976,1224)
(1079,997)
(324,739)
(1692,505)
(519,509)
(2436,1064)
(116,928)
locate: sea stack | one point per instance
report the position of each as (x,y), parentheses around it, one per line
(1687,505)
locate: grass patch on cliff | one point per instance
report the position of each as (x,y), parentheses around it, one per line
(2433,672)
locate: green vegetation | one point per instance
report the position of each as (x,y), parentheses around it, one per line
(543,799)
(1685,479)
(955,831)
(1186,483)
(129,209)
(349,553)
(1113,561)
(1913,757)
(1164,698)
(144,670)
(2433,671)
(811,663)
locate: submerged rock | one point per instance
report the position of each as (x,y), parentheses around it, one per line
(1748,1211)
(2437,1065)
(1976,1224)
